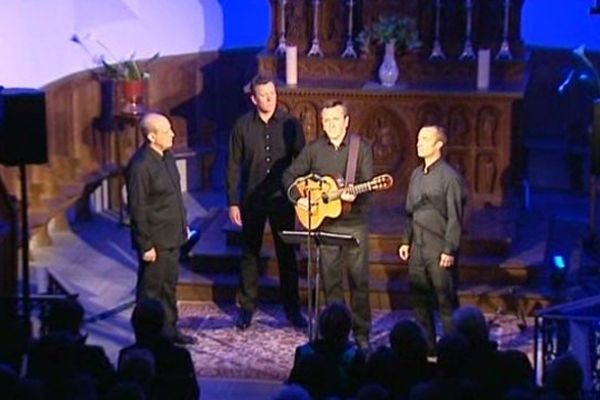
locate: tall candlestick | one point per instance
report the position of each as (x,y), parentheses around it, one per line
(436,52)
(504,52)
(468,54)
(282,40)
(315,49)
(349,51)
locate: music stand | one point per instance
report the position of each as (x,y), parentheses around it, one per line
(319,238)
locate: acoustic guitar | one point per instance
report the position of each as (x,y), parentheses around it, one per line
(324,195)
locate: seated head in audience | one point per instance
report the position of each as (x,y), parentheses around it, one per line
(126,390)
(564,376)
(408,341)
(471,323)
(520,393)
(65,315)
(14,334)
(335,323)
(148,319)
(137,365)
(292,392)
(452,355)
(372,391)
(8,380)
(517,368)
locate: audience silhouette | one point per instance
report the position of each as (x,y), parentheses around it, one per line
(174,375)
(62,362)
(564,378)
(60,365)
(330,366)
(404,364)
(468,365)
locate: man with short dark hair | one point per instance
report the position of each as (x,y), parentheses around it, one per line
(434,207)
(158,219)
(262,144)
(328,156)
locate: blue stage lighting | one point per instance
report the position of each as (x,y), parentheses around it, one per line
(559,261)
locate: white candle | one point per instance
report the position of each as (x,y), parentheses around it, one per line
(291,65)
(483,69)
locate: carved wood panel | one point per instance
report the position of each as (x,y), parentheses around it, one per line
(332,26)
(478,126)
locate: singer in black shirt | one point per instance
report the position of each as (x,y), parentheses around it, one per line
(262,145)
(158,219)
(328,155)
(434,207)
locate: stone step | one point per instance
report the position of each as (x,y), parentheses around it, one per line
(483,260)
(489,275)
(470,245)
(382,265)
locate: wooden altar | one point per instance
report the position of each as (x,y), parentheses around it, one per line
(479,128)
(481,124)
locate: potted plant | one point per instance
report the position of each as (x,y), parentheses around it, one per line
(128,72)
(396,33)
(132,77)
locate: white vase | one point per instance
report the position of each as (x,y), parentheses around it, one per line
(388,70)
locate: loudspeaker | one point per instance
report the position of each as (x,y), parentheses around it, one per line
(595,141)
(22,127)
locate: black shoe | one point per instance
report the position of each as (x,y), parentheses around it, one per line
(243,320)
(432,354)
(181,338)
(296,319)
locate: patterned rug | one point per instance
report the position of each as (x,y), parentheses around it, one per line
(266,349)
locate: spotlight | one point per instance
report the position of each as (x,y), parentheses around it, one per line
(562,257)
(558,272)
(559,262)
(595,9)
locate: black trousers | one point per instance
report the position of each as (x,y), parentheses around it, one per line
(432,285)
(280,214)
(355,262)
(158,280)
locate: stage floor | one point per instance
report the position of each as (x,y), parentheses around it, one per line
(94,259)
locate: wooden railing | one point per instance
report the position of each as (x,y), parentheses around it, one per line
(201,93)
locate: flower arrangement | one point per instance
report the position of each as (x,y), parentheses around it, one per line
(402,31)
(113,68)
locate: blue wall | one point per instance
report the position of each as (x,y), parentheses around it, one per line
(560,23)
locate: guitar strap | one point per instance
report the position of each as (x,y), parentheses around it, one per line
(351,168)
(352,160)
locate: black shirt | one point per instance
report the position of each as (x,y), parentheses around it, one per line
(322,158)
(434,206)
(158,216)
(259,152)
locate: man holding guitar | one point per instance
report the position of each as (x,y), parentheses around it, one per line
(327,158)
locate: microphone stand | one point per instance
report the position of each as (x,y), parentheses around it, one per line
(310,311)
(313,289)
(321,238)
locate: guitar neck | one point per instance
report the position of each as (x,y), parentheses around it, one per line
(356,189)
